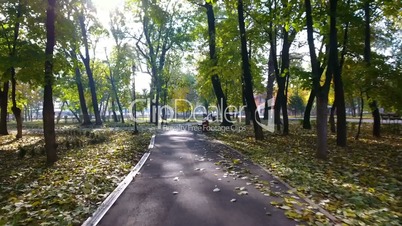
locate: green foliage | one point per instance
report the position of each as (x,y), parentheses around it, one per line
(296,103)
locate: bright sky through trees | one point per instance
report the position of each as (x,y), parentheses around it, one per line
(103,8)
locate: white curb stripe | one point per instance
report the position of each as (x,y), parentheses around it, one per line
(111,199)
(152,143)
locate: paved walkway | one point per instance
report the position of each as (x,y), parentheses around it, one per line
(185,162)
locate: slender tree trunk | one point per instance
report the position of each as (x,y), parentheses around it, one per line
(352,103)
(86,60)
(270,83)
(246,109)
(157,104)
(247,76)
(321,91)
(165,100)
(106,105)
(61,111)
(151,104)
(216,83)
(332,118)
(4,106)
(336,72)
(48,108)
(115,119)
(78,80)
(15,109)
(367,58)
(307,111)
(116,96)
(361,115)
(279,79)
(74,113)
(283,78)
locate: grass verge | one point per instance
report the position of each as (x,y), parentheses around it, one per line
(91,165)
(360,184)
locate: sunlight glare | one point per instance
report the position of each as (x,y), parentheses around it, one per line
(106,5)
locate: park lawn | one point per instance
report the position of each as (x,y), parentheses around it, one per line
(360,184)
(91,164)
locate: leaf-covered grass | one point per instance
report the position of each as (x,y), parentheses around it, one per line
(360,184)
(91,164)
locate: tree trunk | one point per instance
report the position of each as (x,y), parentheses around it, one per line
(74,113)
(270,83)
(151,104)
(332,118)
(352,103)
(86,61)
(216,83)
(283,78)
(116,96)
(339,93)
(246,109)
(377,119)
(361,116)
(48,108)
(277,109)
(157,113)
(367,58)
(16,110)
(106,105)
(115,119)
(321,91)
(4,108)
(322,113)
(78,80)
(247,76)
(59,115)
(307,111)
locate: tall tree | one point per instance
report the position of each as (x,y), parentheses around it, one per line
(321,90)
(247,77)
(13,52)
(48,108)
(114,88)
(367,58)
(80,88)
(333,63)
(270,83)
(163,27)
(216,83)
(87,63)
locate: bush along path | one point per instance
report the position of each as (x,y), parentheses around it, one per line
(91,165)
(189,180)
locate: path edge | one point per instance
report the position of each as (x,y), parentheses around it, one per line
(330,216)
(97,216)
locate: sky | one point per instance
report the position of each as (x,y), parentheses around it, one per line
(103,8)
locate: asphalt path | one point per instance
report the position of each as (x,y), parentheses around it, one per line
(182,184)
